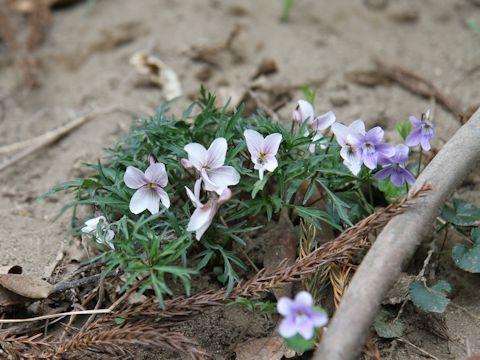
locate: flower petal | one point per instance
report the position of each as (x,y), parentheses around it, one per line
(200,217)
(370,159)
(401,154)
(303,299)
(134,178)
(425,142)
(156,173)
(306,329)
(92,223)
(287,328)
(358,126)
(353,167)
(197,155)
(319,319)
(216,153)
(254,142)
(385,150)
(374,135)
(324,121)
(195,195)
(144,198)
(415,121)
(340,131)
(306,110)
(414,138)
(225,196)
(222,177)
(409,177)
(163,196)
(384,173)
(284,306)
(272,143)
(397,178)
(271,163)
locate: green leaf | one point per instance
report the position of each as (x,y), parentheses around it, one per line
(461,213)
(312,216)
(309,94)
(387,327)
(299,344)
(433,299)
(391,192)
(259,185)
(119,320)
(468,259)
(404,128)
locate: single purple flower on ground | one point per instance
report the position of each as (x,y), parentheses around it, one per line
(263,150)
(209,163)
(395,167)
(370,146)
(203,215)
(149,186)
(299,316)
(350,153)
(422,133)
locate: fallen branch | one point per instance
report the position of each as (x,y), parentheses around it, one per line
(397,243)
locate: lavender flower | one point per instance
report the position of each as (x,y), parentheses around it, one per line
(422,133)
(263,150)
(352,158)
(90,228)
(149,187)
(318,125)
(395,167)
(299,316)
(203,215)
(209,163)
(370,146)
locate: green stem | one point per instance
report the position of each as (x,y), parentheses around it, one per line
(420,161)
(328,146)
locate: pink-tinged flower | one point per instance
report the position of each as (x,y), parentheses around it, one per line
(91,227)
(395,167)
(203,215)
(263,150)
(370,146)
(316,124)
(209,163)
(350,153)
(422,133)
(149,187)
(299,316)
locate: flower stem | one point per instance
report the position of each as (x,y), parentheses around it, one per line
(420,161)
(328,146)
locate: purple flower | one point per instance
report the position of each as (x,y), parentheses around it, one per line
(395,167)
(318,125)
(149,187)
(422,133)
(263,150)
(299,316)
(209,163)
(370,147)
(203,215)
(350,153)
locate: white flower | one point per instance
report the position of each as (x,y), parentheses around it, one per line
(90,228)
(318,125)
(209,163)
(149,187)
(263,150)
(352,158)
(203,215)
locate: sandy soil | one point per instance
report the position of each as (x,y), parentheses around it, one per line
(84,63)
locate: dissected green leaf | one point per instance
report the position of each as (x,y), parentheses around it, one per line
(461,213)
(387,327)
(391,192)
(466,258)
(431,299)
(403,128)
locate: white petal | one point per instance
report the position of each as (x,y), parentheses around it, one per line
(324,121)
(254,142)
(92,223)
(197,155)
(199,218)
(271,143)
(284,306)
(87,230)
(145,198)
(271,164)
(306,110)
(216,153)
(358,126)
(163,197)
(261,170)
(156,173)
(304,299)
(222,177)
(134,178)
(340,132)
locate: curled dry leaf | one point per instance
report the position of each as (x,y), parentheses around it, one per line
(26,286)
(157,73)
(267,348)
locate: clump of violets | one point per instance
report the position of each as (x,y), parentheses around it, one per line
(300,316)
(370,146)
(422,132)
(395,167)
(262,150)
(149,186)
(105,236)
(350,153)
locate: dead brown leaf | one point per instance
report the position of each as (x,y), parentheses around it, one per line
(267,348)
(368,78)
(266,67)
(26,286)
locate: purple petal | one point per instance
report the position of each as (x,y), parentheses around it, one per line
(163,196)
(284,306)
(385,150)
(197,155)
(408,177)
(374,135)
(415,121)
(186,164)
(221,177)
(353,167)
(340,131)
(414,138)
(324,121)
(306,110)
(216,153)
(271,143)
(358,126)
(319,318)
(397,178)
(425,142)
(225,196)
(370,159)
(356,139)
(254,142)
(145,198)
(156,173)
(134,178)
(401,154)
(306,330)
(384,173)
(287,328)
(303,299)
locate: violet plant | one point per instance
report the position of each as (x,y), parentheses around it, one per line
(177,208)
